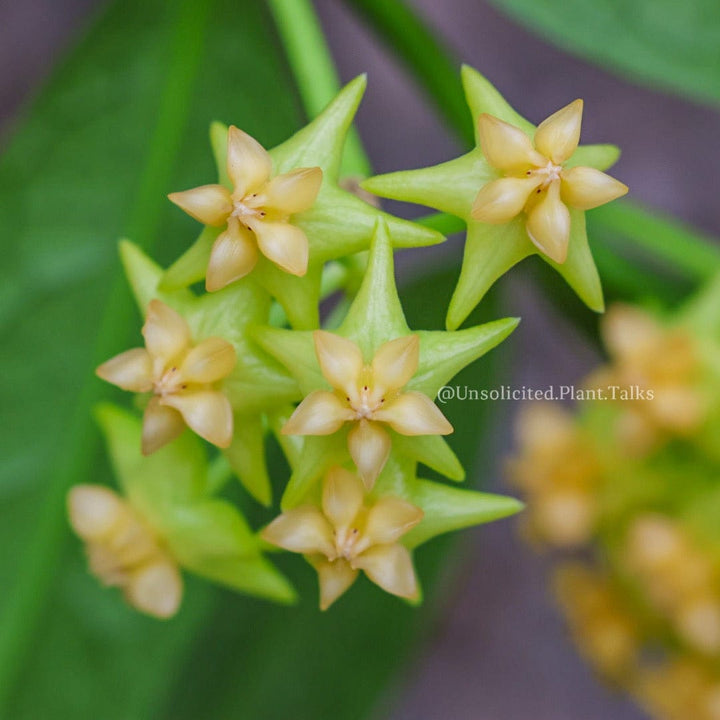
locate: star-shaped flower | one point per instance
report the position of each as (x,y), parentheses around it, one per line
(374,319)
(536,180)
(347,534)
(508,220)
(337,225)
(255,215)
(375,531)
(181,375)
(368,396)
(256,383)
(165,519)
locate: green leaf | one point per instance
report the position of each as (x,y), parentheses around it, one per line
(662,43)
(122,122)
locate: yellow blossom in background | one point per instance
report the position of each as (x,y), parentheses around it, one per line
(123,551)
(558,470)
(681,689)
(255,215)
(603,629)
(680,579)
(644,608)
(368,396)
(656,359)
(181,377)
(348,534)
(538,179)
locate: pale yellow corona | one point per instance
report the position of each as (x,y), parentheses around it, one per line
(368,396)
(182,378)
(123,551)
(347,534)
(255,215)
(536,180)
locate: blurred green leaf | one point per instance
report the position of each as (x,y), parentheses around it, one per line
(123,121)
(663,43)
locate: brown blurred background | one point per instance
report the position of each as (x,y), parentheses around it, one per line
(499,650)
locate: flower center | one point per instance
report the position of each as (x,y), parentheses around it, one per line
(366,404)
(349,543)
(248,208)
(169,383)
(549,173)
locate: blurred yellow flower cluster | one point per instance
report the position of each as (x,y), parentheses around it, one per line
(123,551)
(628,489)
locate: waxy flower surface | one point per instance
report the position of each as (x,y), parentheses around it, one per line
(347,534)
(256,215)
(337,224)
(494,189)
(373,347)
(536,180)
(122,551)
(181,376)
(256,384)
(166,518)
(368,395)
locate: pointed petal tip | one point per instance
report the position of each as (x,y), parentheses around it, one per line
(453,322)
(359,80)
(375,184)
(511,323)
(350,94)
(126,247)
(468,73)
(458,313)
(355,87)
(509,506)
(134,258)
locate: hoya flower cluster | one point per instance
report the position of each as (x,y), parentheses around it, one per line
(350,400)
(627,491)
